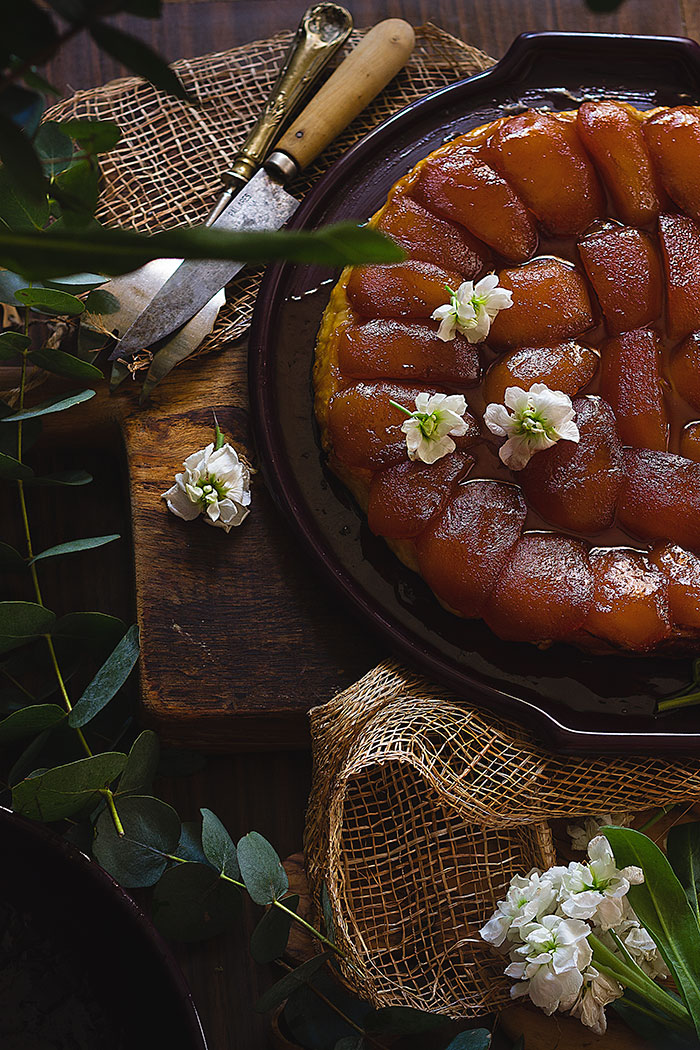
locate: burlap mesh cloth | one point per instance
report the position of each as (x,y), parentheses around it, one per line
(421,811)
(166,171)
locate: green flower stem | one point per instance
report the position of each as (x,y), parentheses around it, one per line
(401,408)
(656,817)
(673,703)
(633,977)
(632,1004)
(109,797)
(30,550)
(218,435)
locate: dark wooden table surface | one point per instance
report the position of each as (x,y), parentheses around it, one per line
(268,791)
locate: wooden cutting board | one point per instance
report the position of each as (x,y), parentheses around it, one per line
(240,635)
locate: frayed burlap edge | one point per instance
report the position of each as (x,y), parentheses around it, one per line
(421,811)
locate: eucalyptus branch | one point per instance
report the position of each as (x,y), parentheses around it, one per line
(336,1009)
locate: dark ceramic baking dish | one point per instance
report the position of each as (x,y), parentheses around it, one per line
(575,700)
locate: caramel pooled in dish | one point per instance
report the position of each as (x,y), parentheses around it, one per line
(591,221)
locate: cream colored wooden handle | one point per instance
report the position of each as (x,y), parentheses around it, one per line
(377,58)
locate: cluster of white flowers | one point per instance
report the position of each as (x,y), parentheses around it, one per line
(430,429)
(537,419)
(215,482)
(471,309)
(544,923)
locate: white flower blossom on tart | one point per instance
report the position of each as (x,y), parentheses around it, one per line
(215,482)
(471,309)
(537,419)
(430,429)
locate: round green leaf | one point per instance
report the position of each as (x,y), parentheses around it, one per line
(54,147)
(62,364)
(12,470)
(51,301)
(96,136)
(77,190)
(276,995)
(141,765)
(74,546)
(29,721)
(108,680)
(190,845)
(22,621)
(102,302)
(261,869)
(63,477)
(76,283)
(218,845)
(11,558)
(20,210)
(474,1039)
(313,1023)
(270,936)
(56,404)
(191,902)
(139,856)
(95,630)
(12,344)
(64,790)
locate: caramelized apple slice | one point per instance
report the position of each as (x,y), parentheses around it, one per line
(685,370)
(574,485)
(458,184)
(550,304)
(613,136)
(461,553)
(680,249)
(544,592)
(682,570)
(398,350)
(567,367)
(543,159)
(425,236)
(410,289)
(404,498)
(630,381)
(630,600)
(673,138)
(624,269)
(660,497)
(365,428)
(690,442)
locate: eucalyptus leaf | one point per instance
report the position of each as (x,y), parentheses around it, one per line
(63,364)
(19,210)
(95,630)
(100,301)
(108,680)
(77,283)
(683,853)
(312,1021)
(191,903)
(10,558)
(190,845)
(20,161)
(29,721)
(261,869)
(269,938)
(139,856)
(473,1039)
(64,790)
(276,995)
(27,760)
(218,845)
(39,254)
(12,344)
(54,147)
(138,57)
(74,546)
(77,189)
(51,301)
(96,136)
(62,478)
(402,1020)
(46,408)
(12,470)
(141,766)
(22,621)
(11,282)
(662,907)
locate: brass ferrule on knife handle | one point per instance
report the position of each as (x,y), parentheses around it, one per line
(379,56)
(322,32)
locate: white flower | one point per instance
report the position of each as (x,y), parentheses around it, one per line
(596,890)
(527,900)
(430,429)
(551,961)
(472,309)
(540,417)
(598,990)
(216,483)
(636,941)
(581,834)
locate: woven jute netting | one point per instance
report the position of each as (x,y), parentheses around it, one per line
(166,170)
(421,811)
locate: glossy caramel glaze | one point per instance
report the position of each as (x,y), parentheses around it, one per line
(589,218)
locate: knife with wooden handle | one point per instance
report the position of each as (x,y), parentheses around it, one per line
(264,204)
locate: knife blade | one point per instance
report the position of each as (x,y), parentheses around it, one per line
(264,204)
